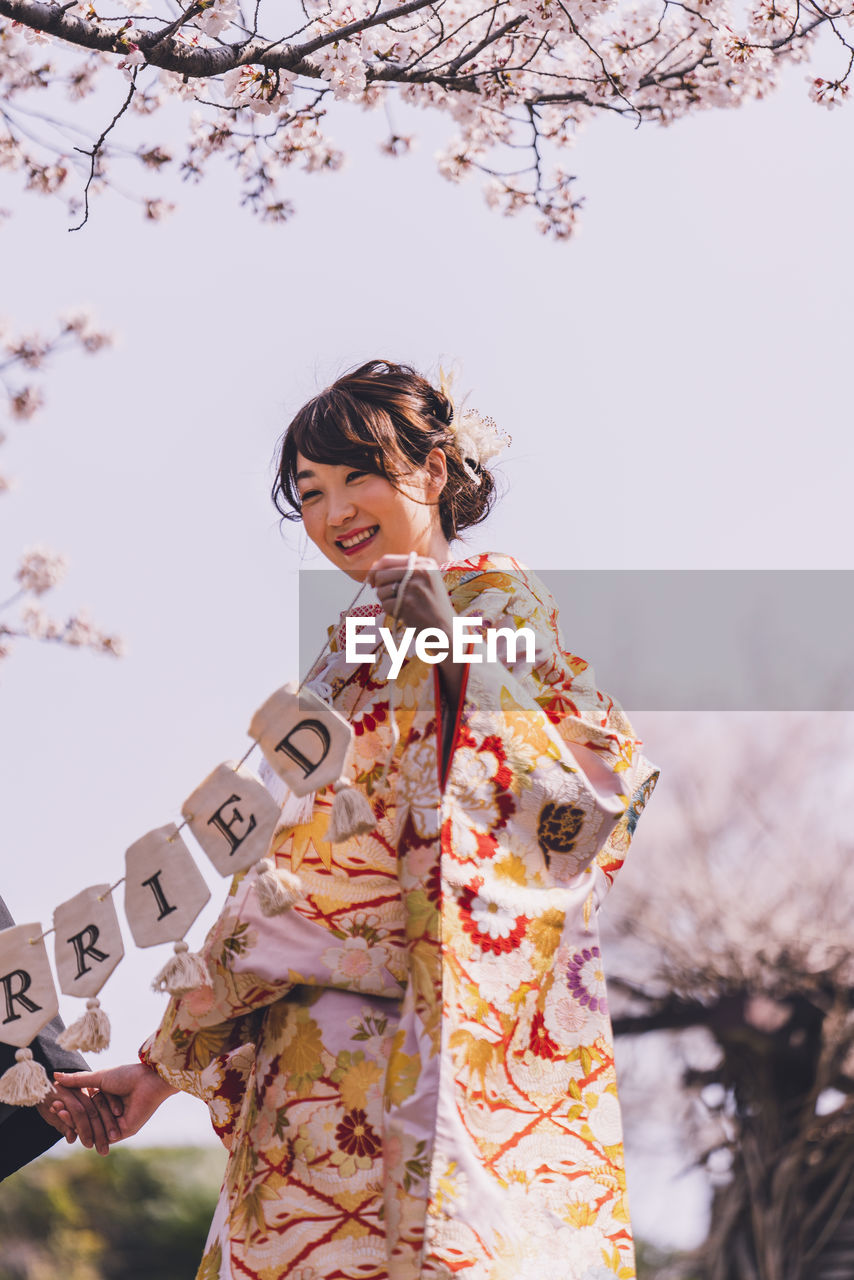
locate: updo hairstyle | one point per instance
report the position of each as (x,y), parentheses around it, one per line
(384,418)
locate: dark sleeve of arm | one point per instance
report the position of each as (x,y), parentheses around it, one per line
(23,1136)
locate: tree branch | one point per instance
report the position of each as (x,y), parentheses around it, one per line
(162,50)
(95,151)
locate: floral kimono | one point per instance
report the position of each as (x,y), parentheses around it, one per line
(413,1067)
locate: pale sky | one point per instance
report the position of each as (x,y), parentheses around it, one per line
(676,380)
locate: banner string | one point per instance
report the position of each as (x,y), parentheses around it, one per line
(102,896)
(185,821)
(328,640)
(171,839)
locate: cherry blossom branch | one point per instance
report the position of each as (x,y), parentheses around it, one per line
(96,149)
(13,598)
(76,632)
(163,51)
(39,571)
(492,37)
(32,352)
(504,76)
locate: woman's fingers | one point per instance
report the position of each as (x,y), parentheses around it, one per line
(89,1114)
(115,1103)
(388,574)
(105,1111)
(79,1079)
(423,601)
(87,1121)
(386,565)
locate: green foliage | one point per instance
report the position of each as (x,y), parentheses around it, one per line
(663,1264)
(133,1215)
(143,1214)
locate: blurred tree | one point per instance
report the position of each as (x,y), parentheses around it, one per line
(737,925)
(135,1215)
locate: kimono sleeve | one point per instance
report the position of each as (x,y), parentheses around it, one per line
(253,961)
(546,705)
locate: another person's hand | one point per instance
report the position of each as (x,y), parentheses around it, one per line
(47,1113)
(75,1113)
(132,1093)
(50,1117)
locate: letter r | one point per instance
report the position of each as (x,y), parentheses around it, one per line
(11,995)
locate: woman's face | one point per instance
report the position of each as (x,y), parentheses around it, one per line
(355,517)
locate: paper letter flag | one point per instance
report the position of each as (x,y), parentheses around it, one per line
(27,1002)
(233,817)
(164,889)
(304,739)
(88,943)
(88,946)
(164,892)
(307,742)
(28,998)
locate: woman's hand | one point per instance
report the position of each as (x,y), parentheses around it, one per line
(130,1093)
(425,603)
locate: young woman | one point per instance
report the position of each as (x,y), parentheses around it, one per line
(412,1068)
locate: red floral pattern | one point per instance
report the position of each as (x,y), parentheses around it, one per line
(540,1041)
(498,942)
(355,1136)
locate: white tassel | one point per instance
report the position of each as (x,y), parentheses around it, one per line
(276,888)
(351,814)
(89,1034)
(297,810)
(185,971)
(26,1084)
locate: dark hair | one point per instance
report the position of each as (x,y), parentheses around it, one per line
(383,418)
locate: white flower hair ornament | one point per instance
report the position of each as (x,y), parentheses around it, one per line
(478,439)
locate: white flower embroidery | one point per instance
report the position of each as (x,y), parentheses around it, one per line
(490,918)
(604,1121)
(570,1016)
(360,964)
(499,976)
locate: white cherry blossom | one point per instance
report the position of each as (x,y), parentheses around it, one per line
(515,93)
(40,569)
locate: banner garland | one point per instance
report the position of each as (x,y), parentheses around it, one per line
(234,816)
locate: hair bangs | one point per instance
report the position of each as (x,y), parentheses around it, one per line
(338,429)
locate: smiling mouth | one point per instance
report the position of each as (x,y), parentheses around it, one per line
(354,541)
